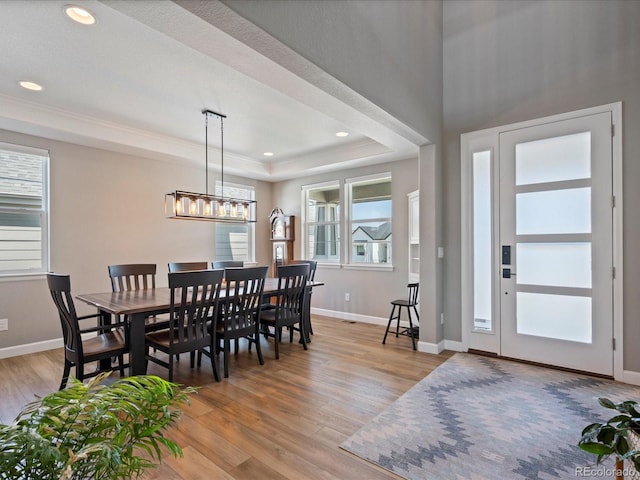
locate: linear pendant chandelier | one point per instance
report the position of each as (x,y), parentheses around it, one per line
(204,206)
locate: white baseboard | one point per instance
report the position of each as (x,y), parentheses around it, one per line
(356,317)
(422,346)
(434,348)
(630,377)
(30,348)
(454,346)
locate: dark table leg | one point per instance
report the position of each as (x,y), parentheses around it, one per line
(137,350)
(105,319)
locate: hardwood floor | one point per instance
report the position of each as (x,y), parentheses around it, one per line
(282,420)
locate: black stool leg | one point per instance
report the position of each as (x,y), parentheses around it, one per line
(411,331)
(389,324)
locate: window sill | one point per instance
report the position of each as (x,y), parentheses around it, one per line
(22,277)
(329,265)
(364,266)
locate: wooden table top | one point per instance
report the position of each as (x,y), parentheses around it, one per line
(138,301)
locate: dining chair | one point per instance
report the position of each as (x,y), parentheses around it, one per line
(239,312)
(313,265)
(228,263)
(187,266)
(137,276)
(132,276)
(194,303)
(289,305)
(108,343)
(408,303)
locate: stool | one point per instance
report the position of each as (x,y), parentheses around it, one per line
(410,303)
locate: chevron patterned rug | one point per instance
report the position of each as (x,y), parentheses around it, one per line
(477,418)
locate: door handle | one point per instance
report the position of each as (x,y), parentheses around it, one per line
(506,273)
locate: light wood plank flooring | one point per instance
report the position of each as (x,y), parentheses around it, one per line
(282,420)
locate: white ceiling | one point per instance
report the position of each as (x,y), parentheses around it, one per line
(137,80)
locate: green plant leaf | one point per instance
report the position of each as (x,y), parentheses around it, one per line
(605,402)
(596,448)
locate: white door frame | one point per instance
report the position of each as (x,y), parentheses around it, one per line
(488,139)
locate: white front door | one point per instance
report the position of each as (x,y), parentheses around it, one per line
(555,246)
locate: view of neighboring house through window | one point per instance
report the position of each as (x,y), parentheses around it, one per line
(235,241)
(370,219)
(322,221)
(23,209)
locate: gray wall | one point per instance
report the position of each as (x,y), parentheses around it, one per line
(507,61)
(386,50)
(109,208)
(390,52)
(371,291)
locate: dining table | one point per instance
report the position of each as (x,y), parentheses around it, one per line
(137,305)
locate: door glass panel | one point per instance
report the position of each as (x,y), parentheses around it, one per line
(560,317)
(482,260)
(554,211)
(557,264)
(554,159)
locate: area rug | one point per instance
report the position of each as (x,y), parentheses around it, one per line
(476,418)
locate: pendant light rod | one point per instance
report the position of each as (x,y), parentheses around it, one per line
(207,113)
(181,204)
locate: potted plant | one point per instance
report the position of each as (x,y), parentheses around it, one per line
(97,430)
(617,436)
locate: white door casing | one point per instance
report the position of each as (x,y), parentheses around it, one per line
(489,161)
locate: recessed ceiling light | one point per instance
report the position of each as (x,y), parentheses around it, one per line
(342,134)
(268,154)
(79,14)
(30,85)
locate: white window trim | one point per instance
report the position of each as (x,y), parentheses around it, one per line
(304,228)
(45,215)
(346,251)
(251,261)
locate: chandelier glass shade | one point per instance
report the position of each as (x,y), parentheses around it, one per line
(184,205)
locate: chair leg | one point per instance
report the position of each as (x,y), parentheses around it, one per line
(80,371)
(388,324)
(193,359)
(303,340)
(258,347)
(227,347)
(411,332)
(214,358)
(65,374)
(121,364)
(278,337)
(171,368)
(398,322)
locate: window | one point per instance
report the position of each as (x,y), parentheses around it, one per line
(23,210)
(370,219)
(235,241)
(322,221)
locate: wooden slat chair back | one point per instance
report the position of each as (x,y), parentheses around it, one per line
(239,313)
(194,302)
(134,276)
(107,344)
(289,305)
(187,266)
(228,263)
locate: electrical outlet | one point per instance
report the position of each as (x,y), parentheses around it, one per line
(347,297)
(440,252)
(442,318)
(4,324)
